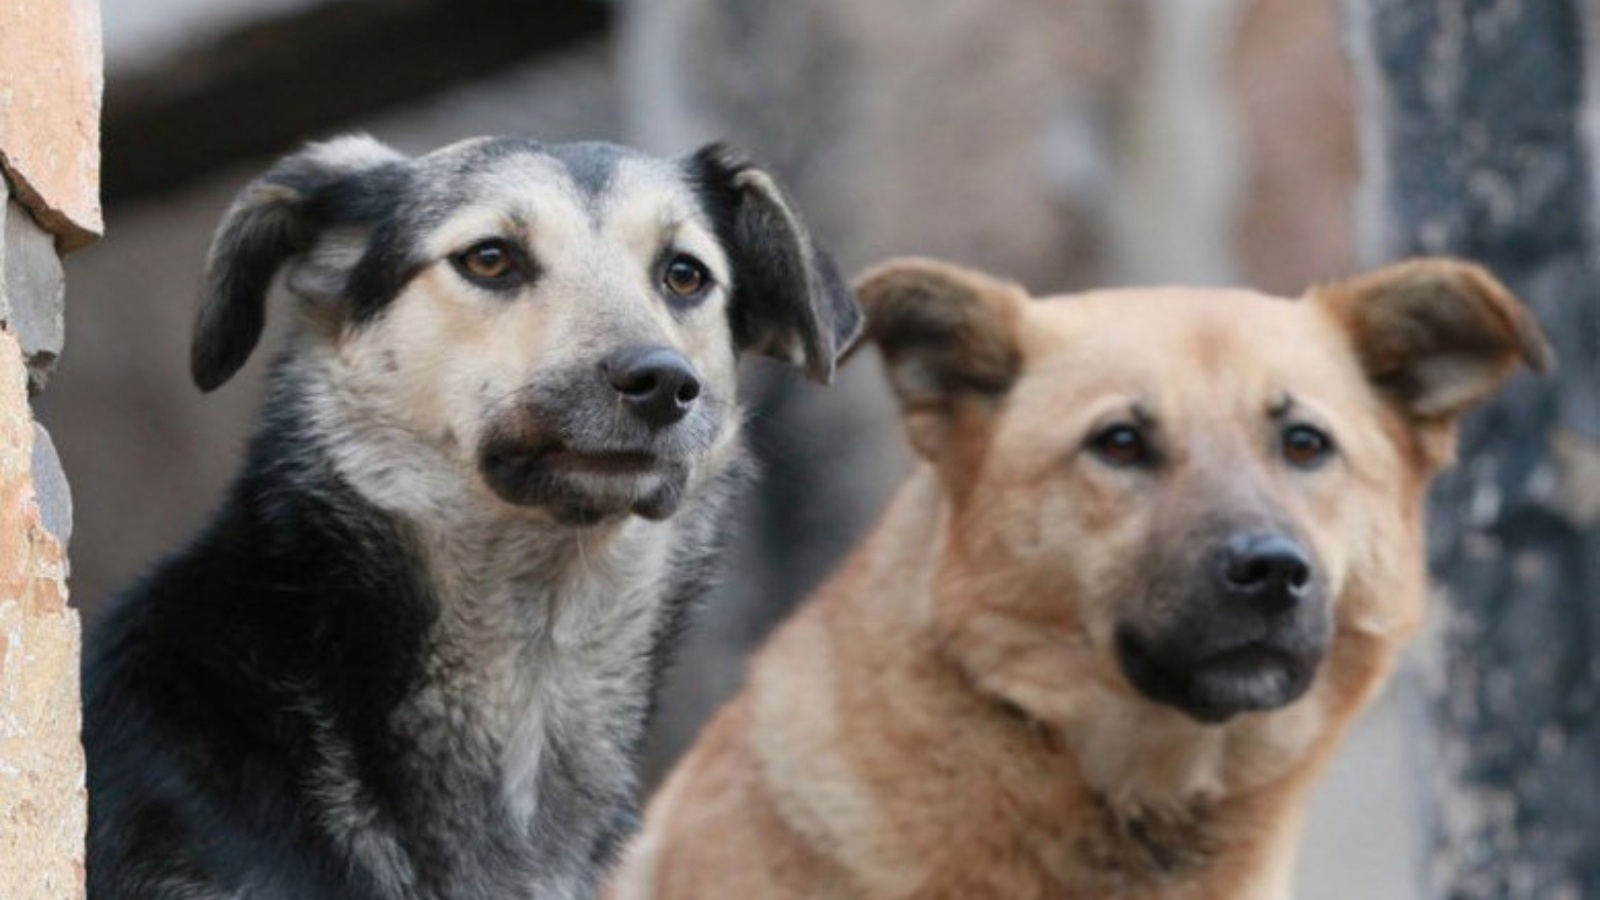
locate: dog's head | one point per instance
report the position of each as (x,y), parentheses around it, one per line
(1197,494)
(559,321)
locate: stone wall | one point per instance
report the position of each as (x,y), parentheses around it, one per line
(41,763)
(50,82)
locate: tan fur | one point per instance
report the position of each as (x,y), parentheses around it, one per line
(946,718)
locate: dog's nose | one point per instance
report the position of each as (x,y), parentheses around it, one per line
(657,383)
(1269,571)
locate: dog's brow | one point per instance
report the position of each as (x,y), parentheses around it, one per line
(671,224)
(481,223)
(1281,406)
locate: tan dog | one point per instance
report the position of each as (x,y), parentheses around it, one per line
(1165,544)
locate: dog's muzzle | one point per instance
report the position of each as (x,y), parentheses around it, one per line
(620,436)
(1250,638)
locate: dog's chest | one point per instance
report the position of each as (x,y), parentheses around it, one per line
(535,700)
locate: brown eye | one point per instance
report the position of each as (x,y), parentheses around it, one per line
(685,277)
(491,264)
(1305,447)
(1123,446)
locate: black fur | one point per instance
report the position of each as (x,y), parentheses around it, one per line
(786,289)
(198,681)
(275,218)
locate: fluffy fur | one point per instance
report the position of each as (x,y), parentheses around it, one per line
(411,655)
(1164,544)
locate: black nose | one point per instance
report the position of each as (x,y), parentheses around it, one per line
(656,383)
(1269,571)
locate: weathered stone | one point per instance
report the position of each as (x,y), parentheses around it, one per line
(50,487)
(42,811)
(50,83)
(32,289)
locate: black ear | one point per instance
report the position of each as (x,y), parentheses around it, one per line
(275,218)
(789,300)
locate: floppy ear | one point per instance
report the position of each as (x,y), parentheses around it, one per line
(789,300)
(948,336)
(275,218)
(1436,336)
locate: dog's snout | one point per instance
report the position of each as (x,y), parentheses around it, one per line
(656,383)
(1266,570)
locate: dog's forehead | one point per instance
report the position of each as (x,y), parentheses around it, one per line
(562,197)
(1202,343)
(591,177)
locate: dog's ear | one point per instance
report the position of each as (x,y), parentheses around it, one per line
(789,300)
(1436,336)
(275,218)
(949,339)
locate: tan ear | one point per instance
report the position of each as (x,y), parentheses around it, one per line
(1437,335)
(948,336)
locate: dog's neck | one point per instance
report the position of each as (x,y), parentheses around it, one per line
(1164,809)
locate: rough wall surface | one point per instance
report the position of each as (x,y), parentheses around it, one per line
(41,763)
(32,286)
(50,81)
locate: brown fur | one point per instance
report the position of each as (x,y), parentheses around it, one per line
(948,719)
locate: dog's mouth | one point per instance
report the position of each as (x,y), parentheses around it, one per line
(595,462)
(510,463)
(582,486)
(1215,686)
(567,447)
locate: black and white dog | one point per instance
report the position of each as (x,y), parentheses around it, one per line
(412,654)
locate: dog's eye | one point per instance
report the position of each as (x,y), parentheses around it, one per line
(1304,446)
(1123,446)
(491,264)
(685,277)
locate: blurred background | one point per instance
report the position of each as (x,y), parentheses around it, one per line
(1066,143)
